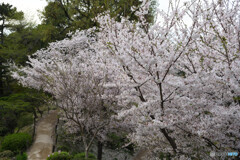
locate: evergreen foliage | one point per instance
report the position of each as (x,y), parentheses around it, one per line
(17,142)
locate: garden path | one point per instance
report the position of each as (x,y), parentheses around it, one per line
(43,144)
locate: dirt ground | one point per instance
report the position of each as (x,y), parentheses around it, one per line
(43,144)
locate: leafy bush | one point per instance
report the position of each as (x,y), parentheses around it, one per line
(8,121)
(25,119)
(60,156)
(63,148)
(6,153)
(17,142)
(21,156)
(81,156)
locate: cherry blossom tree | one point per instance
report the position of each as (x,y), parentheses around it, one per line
(215,61)
(178,83)
(72,72)
(181,80)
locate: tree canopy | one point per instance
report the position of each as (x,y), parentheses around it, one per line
(64,16)
(178,84)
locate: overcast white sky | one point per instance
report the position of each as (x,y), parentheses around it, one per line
(31,7)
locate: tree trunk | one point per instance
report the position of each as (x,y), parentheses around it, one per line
(86,153)
(1,61)
(39,111)
(1,77)
(2,28)
(100,145)
(56,136)
(34,122)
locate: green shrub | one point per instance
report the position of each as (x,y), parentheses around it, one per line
(63,148)
(6,153)
(60,156)
(25,119)
(81,156)
(21,156)
(17,142)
